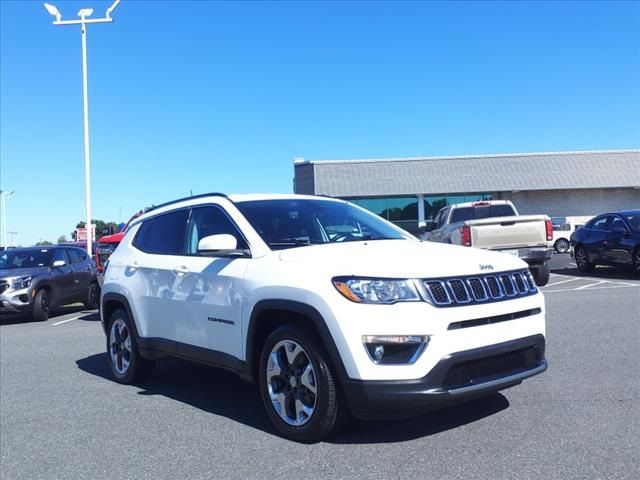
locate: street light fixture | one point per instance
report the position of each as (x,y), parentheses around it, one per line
(3,198)
(84,15)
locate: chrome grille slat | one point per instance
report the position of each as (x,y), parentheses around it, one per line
(459,291)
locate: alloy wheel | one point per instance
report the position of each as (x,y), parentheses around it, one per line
(636,260)
(562,246)
(291,380)
(120,346)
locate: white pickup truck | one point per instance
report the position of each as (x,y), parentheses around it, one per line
(496,225)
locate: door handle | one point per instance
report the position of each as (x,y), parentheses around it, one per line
(181,271)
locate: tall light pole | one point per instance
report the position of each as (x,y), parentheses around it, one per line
(84,15)
(3,198)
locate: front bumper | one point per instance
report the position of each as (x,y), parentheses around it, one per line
(16,302)
(456,378)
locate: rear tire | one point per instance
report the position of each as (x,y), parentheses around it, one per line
(582,260)
(541,274)
(93,297)
(41,307)
(562,245)
(298,386)
(636,261)
(127,366)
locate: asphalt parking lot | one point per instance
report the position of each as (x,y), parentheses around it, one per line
(62,417)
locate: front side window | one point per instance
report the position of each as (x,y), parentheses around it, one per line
(163,234)
(291,223)
(617,223)
(207,221)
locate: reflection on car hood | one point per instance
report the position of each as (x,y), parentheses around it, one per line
(22,272)
(402,259)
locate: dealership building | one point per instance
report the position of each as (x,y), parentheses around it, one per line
(409,191)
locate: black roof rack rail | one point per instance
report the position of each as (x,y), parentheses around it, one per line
(191,197)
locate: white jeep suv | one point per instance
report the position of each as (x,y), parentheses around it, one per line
(328,308)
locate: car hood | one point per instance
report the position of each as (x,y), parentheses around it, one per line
(22,272)
(401,259)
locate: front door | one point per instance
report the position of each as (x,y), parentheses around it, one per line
(64,278)
(210,289)
(83,272)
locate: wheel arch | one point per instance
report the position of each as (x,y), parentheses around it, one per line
(111,302)
(269,314)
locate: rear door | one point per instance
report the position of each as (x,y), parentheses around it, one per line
(155,274)
(83,271)
(618,246)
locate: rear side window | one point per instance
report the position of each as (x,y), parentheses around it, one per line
(481,211)
(163,234)
(76,255)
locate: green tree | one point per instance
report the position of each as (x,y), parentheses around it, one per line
(43,243)
(62,239)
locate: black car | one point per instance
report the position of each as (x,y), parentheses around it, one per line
(608,239)
(35,280)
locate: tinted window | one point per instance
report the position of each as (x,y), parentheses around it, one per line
(76,255)
(600,224)
(481,211)
(163,234)
(633,219)
(293,223)
(58,254)
(26,258)
(617,223)
(206,221)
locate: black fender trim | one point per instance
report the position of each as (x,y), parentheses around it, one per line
(301,309)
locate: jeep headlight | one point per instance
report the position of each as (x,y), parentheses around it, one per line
(20,283)
(376,290)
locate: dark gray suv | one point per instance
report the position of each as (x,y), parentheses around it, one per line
(35,280)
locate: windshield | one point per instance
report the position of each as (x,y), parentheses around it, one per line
(481,211)
(293,223)
(633,219)
(25,258)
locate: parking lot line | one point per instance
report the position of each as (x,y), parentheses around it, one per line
(582,287)
(596,288)
(563,281)
(65,321)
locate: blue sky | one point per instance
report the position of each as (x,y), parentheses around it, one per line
(211,96)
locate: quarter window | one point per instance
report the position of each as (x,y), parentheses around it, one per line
(206,221)
(163,234)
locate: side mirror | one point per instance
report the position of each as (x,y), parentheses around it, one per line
(431,225)
(59,263)
(223,245)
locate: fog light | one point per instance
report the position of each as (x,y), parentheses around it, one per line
(378,352)
(395,349)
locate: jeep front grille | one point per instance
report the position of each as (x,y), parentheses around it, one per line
(486,288)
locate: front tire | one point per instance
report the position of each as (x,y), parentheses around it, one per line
(41,306)
(127,366)
(298,386)
(582,260)
(541,274)
(562,245)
